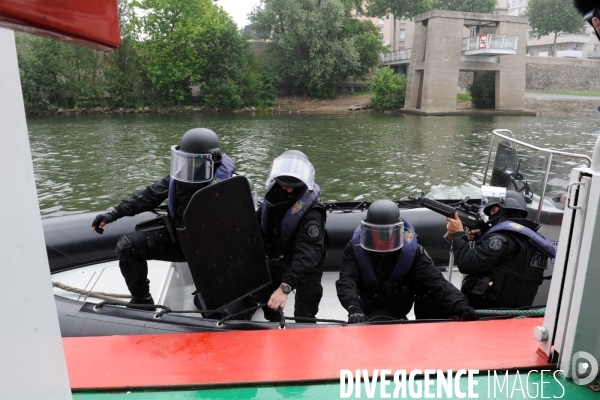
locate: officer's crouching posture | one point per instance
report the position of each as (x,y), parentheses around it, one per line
(507,265)
(383,268)
(196,163)
(292,219)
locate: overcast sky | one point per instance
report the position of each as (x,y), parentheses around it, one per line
(238,9)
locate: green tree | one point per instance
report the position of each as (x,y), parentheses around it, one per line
(38,67)
(477,6)
(314,44)
(194,43)
(124,70)
(553,16)
(389,88)
(231,70)
(57,74)
(176,35)
(400,9)
(367,41)
(483,90)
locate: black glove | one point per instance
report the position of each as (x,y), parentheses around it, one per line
(356,315)
(467,313)
(107,218)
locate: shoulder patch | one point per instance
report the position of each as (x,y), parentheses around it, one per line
(297,206)
(424,252)
(313,229)
(496,242)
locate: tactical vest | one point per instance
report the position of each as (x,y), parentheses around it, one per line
(293,215)
(542,244)
(280,232)
(513,283)
(224,171)
(403,264)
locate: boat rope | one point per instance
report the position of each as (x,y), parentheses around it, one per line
(152,307)
(333,205)
(100,295)
(308,319)
(239,314)
(512,313)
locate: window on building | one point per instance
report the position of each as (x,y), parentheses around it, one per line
(473,32)
(402,36)
(574,46)
(550,50)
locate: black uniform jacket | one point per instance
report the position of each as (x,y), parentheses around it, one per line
(482,258)
(487,264)
(423,277)
(145,200)
(304,252)
(154,195)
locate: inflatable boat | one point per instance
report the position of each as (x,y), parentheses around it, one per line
(84,260)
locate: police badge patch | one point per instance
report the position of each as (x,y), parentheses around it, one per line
(496,243)
(297,206)
(312,230)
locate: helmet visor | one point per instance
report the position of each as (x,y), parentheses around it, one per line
(187,167)
(492,194)
(381,238)
(292,165)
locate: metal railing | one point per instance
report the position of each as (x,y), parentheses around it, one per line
(593,54)
(398,55)
(550,152)
(492,41)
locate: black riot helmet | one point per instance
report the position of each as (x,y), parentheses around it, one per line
(292,169)
(201,141)
(194,159)
(584,6)
(588,9)
(513,206)
(382,230)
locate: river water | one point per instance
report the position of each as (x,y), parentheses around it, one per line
(85,163)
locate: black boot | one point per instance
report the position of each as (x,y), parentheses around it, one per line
(138,303)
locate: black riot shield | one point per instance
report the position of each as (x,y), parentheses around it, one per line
(222,243)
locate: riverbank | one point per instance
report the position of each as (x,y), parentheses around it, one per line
(348,103)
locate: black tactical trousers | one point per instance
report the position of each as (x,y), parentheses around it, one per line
(135,248)
(308,294)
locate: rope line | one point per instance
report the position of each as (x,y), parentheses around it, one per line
(91,293)
(112,299)
(512,313)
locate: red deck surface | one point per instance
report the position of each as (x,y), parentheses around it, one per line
(311,354)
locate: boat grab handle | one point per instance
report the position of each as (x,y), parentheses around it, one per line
(569,196)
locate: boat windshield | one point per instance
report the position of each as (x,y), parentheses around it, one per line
(537,173)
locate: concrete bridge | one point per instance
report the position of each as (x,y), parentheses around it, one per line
(440,51)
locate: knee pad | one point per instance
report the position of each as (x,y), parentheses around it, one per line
(124,248)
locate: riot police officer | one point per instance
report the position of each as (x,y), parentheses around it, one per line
(196,163)
(292,219)
(507,264)
(384,269)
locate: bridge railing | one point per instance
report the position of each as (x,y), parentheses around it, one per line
(491,41)
(398,55)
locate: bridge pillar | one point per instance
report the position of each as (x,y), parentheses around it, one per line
(438,57)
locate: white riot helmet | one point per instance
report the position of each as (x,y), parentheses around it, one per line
(292,169)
